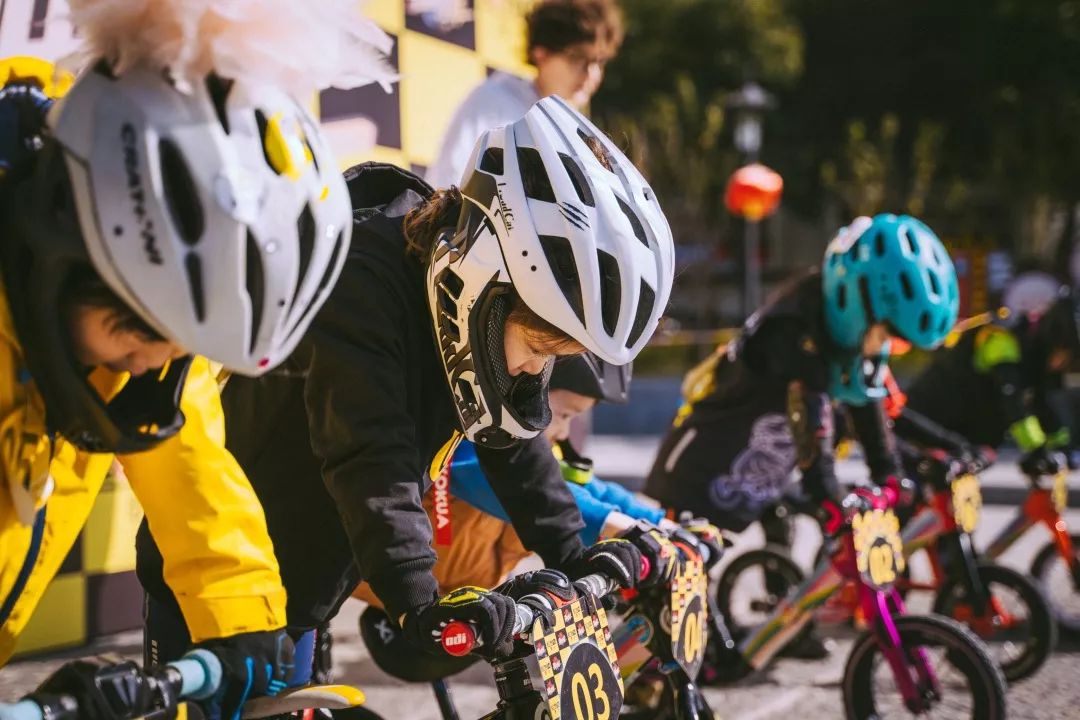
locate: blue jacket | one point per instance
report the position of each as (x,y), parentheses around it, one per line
(596,498)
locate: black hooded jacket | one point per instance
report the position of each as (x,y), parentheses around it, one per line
(779,363)
(340,441)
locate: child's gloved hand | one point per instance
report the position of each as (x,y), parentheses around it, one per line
(491,614)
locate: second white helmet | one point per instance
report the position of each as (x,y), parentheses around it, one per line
(580,239)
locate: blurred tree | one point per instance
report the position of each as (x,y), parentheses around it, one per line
(663,100)
(966,112)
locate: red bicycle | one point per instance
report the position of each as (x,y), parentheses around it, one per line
(1056,567)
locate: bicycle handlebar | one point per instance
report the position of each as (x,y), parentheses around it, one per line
(196,676)
(461,637)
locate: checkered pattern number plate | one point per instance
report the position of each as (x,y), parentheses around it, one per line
(577,666)
(689,625)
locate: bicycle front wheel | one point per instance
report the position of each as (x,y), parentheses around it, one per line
(969,685)
(1054,574)
(1017,625)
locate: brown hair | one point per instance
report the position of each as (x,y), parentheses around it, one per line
(87,289)
(424,222)
(541,333)
(558,24)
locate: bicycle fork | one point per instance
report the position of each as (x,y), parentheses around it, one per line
(911,669)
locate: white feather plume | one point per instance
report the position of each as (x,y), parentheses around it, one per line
(297,45)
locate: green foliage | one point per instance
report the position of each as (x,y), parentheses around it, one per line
(965,112)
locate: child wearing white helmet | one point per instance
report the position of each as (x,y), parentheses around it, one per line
(156,217)
(451,309)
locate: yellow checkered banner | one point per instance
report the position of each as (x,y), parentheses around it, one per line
(442,50)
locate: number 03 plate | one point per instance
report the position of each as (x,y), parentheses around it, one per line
(879,553)
(576,664)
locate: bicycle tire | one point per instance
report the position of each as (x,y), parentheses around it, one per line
(1041,637)
(1041,566)
(965,652)
(772,559)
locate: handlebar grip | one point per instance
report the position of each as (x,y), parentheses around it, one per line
(22,710)
(461,637)
(600,585)
(198,675)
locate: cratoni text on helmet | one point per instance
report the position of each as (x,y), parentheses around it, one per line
(138,194)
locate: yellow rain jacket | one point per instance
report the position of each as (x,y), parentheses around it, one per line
(203,512)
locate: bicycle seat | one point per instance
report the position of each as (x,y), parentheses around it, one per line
(395,656)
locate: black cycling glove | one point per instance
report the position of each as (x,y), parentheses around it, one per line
(706,536)
(491,613)
(541,590)
(663,558)
(252,664)
(615,558)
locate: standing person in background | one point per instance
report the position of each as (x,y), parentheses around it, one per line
(569,43)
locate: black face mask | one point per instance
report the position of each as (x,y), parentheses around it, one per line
(524,397)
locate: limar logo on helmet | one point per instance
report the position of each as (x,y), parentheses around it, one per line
(504,212)
(137,194)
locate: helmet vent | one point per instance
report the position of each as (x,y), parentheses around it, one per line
(534,177)
(560,257)
(909,240)
(646,300)
(577,177)
(905,286)
(263,124)
(324,281)
(305,232)
(330,266)
(193,266)
(598,149)
(879,243)
(924,321)
(448,291)
(255,283)
(465,393)
(314,157)
(180,195)
(218,88)
(492,161)
(610,290)
(841,297)
(934,286)
(864,295)
(639,230)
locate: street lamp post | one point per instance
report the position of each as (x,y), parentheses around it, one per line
(748,104)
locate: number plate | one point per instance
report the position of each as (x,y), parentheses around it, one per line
(966,502)
(878,550)
(576,663)
(1061,490)
(689,617)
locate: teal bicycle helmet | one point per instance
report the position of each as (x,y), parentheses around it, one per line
(891,269)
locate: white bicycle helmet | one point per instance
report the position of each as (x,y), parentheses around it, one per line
(217,215)
(585,248)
